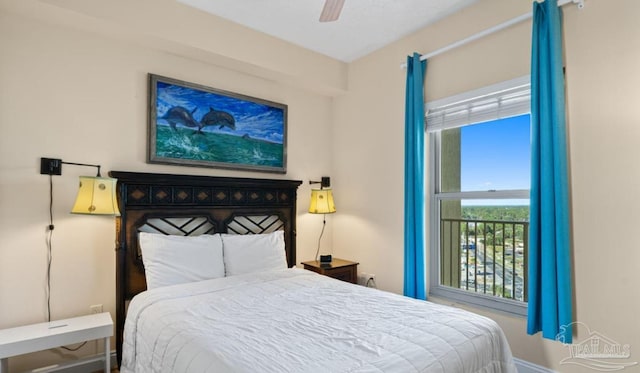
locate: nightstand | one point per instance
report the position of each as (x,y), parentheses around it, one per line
(338,268)
(46,335)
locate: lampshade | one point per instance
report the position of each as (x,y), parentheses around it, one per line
(322,201)
(96,196)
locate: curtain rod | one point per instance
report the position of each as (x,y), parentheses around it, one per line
(489,31)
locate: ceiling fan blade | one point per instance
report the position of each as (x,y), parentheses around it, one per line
(331,10)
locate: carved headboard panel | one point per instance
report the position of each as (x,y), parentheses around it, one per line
(193,205)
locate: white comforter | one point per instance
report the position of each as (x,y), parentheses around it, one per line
(297,321)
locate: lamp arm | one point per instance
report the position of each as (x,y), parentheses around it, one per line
(84,164)
(324,183)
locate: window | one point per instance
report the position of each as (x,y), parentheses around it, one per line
(479,182)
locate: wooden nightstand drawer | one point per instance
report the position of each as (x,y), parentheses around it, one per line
(338,268)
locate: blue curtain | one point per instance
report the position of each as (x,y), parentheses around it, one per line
(414,206)
(550,297)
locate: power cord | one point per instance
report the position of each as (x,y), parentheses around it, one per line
(371,283)
(324,222)
(49,251)
(75,348)
(50,260)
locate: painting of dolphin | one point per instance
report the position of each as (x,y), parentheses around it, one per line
(179,115)
(217,118)
(190,124)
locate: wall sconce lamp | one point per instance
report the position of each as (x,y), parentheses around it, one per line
(96,195)
(322,203)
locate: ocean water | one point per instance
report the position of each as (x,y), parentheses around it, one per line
(186,143)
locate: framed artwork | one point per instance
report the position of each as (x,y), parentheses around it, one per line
(194,125)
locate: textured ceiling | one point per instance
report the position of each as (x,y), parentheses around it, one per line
(363,26)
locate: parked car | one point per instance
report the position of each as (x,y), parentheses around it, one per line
(471,246)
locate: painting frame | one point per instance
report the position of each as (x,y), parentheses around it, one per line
(234,131)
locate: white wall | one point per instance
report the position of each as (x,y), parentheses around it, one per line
(71,91)
(602,44)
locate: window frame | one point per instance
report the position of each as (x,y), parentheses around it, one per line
(436,289)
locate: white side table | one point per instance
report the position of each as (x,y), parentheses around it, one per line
(43,336)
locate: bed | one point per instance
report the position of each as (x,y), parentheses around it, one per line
(260,315)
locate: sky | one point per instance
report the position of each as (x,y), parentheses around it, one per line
(496,155)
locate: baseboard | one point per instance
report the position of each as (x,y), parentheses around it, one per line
(88,364)
(524,366)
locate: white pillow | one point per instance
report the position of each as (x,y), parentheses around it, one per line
(246,253)
(171,260)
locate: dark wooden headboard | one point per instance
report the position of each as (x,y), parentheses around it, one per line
(193,205)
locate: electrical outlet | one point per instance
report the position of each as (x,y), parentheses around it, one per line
(371,281)
(96,308)
(362,279)
(367,279)
(50,166)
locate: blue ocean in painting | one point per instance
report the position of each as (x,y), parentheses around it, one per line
(200,125)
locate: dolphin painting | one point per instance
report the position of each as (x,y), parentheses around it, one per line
(217,118)
(179,115)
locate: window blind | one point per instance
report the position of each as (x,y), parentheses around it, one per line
(504,100)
